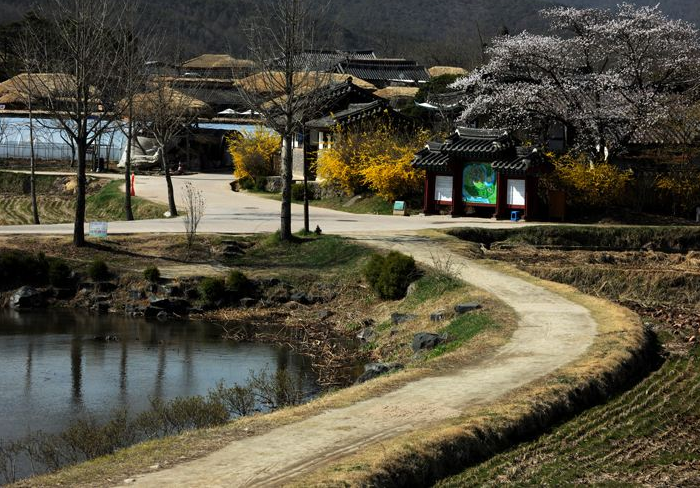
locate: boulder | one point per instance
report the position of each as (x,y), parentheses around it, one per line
(302,298)
(162,316)
(400,318)
(425,341)
(373,370)
(366,334)
(63,293)
(463,308)
(438,316)
(105,287)
(324,314)
(101,307)
(171,290)
(136,294)
(159,302)
(27,297)
(152,312)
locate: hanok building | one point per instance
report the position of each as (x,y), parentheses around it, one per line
(340,105)
(384,72)
(220,66)
(481,172)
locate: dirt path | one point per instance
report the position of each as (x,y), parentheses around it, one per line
(552,331)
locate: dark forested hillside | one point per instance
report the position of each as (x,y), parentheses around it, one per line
(435,32)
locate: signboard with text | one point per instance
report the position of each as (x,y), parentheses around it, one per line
(98,229)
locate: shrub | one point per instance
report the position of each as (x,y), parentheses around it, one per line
(212,289)
(390,276)
(151,274)
(254,154)
(59,273)
(98,270)
(237,283)
(238,400)
(298,192)
(18,268)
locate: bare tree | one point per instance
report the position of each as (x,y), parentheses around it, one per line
(277,37)
(194,203)
(166,114)
(83,55)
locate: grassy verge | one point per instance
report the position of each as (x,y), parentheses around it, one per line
(104,201)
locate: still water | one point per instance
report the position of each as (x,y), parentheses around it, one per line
(52,369)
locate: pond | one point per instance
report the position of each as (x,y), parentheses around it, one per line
(53,369)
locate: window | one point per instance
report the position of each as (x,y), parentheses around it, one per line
(516,192)
(443,188)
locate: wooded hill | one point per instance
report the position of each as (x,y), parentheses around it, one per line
(444,32)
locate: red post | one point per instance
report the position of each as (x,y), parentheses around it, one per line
(133,190)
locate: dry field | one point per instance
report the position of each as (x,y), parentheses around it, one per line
(649,435)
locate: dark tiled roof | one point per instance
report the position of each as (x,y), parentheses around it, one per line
(326,59)
(480,145)
(525,158)
(488,144)
(354,113)
(384,69)
(431,158)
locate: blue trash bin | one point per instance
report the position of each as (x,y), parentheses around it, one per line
(515,215)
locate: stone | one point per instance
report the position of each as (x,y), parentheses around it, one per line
(401,318)
(136,294)
(299,297)
(324,314)
(162,316)
(248,302)
(411,289)
(159,302)
(178,306)
(152,312)
(101,307)
(64,293)
(105,287)
(438,316)
(27,297)
(373,370)
(293,305)
(463,308)
(171,290)
(366,334)
(425,341)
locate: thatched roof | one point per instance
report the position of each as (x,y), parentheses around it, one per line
(217,61)
(260,82)
(40,85)
(436,71)
(396,92)
(153,102)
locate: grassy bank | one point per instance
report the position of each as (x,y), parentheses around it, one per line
(308,260)
(104,201)
(673,239)
(648,435)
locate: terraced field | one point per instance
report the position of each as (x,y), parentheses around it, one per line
(105,201)
(649,436)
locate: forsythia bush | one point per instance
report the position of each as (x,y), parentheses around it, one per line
(683,185)
(588,184)
(375,157)
(254,153)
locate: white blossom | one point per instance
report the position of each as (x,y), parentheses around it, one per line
(604,75)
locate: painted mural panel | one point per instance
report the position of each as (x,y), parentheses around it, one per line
(479,184)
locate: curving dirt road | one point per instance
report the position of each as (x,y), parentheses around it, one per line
(552,331)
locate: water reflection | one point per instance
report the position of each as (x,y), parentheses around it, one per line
(53,369)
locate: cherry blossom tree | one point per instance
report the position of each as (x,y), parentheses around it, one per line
(606,76)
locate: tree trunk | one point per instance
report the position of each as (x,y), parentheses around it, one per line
(286,213)
(306,196)
(79,225)
(32,164)
(127,172)
(171,193)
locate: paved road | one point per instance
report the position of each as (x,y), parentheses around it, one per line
(552,331)
(236,212)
